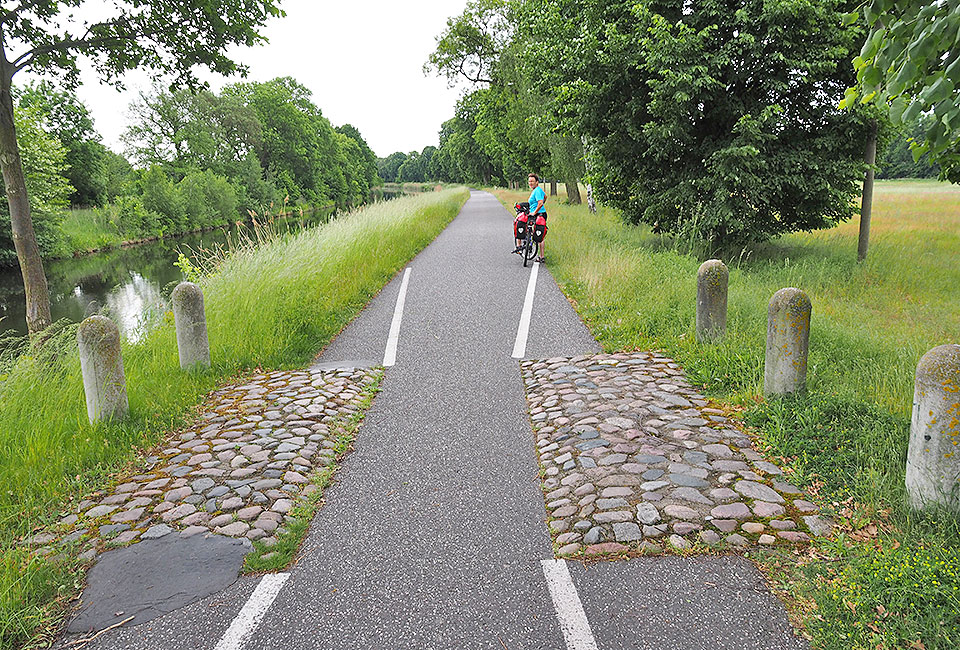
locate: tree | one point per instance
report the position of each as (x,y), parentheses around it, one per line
(192,129)
(514,120)
(46,37)
(472,43)
(65,116)
(44,166)
(910,63)
(389,167)
(715,120)
(298,149)
(369,158)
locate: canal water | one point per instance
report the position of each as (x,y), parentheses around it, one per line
(134,284)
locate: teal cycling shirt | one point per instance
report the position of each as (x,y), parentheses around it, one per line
(536,196)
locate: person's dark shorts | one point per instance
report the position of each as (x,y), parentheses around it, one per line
(539,214)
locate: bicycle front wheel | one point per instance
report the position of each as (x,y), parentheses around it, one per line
(530,250)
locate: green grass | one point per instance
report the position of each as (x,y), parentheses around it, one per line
(273,305)
(846,439)
(86,230)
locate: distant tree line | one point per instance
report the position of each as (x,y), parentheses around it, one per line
(194,159)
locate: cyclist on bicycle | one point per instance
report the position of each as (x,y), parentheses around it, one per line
(538,200)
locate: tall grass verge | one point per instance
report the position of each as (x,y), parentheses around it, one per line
(846,439)
(271,305)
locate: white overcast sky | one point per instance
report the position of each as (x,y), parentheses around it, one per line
(362,59)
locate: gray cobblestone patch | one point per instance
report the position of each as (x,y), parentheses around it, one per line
(232,472)
(632,454)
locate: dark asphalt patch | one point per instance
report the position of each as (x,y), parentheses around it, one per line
(156,576)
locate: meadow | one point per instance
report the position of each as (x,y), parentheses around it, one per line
(273,303)
(889,579)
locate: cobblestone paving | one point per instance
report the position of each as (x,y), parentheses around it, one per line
(634,460)
(237,472)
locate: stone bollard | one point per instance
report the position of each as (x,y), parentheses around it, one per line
(191,322)
(933,457)
(711,300)
(102,366)
(788,340)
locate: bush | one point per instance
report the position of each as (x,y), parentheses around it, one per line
(135,221)
(207,199)
(160,196)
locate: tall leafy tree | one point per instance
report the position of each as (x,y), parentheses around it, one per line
(65,116)
(712,119)
(515,123)
(44,165)
(389,167)
(46,36)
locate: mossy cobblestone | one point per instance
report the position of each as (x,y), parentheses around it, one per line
(236,472)
(635,461)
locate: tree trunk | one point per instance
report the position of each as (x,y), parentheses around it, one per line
(553,187)
(573,191)
(590,202)
(24,239)
(866,203)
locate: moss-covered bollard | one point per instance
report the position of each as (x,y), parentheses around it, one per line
(933,457)
(788,340)
(102,366)
(712,277)
(191,322)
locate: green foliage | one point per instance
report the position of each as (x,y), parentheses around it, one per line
(208,199)
(118,175)
(389,167)
(161,197)
(910,63)
(43,160)
(715,121)
(471,45)
(149,34)
(504,128)
(65,116)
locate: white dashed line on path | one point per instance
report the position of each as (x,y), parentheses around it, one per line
(390,354)
(520,346)
(573,620)
(246,622)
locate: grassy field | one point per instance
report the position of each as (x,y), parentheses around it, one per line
(271,305)
(890,579)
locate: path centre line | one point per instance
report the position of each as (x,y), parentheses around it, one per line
(246,622)
(573,620)
(520,346)
(390,354)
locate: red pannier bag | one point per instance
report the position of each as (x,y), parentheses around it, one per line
(539,229)
(520,226)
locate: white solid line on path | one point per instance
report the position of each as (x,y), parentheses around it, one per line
(390,354)
(520,346)
(573,620)
(249,618)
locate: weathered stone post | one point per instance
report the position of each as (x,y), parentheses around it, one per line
(191,322)
(788,340)
(933,457)
(102,366)
(712,279)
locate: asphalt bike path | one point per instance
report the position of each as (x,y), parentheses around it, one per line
(433,535)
